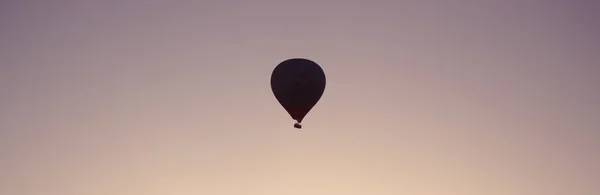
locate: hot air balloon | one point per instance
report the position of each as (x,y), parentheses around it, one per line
(298,84)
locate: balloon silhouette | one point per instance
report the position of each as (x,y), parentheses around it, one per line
(298,84)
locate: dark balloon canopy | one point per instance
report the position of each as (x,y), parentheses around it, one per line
(298,84)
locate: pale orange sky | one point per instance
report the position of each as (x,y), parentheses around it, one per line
(423,98)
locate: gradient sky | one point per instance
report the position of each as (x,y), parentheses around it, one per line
(124,97)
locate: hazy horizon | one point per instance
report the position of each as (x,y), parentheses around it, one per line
(423,98)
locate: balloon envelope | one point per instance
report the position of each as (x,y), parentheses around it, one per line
(298,84)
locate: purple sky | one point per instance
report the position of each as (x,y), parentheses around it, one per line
(424,97)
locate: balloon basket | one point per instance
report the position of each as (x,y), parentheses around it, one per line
(298,126)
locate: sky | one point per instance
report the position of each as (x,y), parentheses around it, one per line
(423,97)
